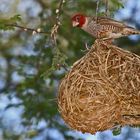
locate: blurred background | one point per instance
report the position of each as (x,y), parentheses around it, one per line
(32,65)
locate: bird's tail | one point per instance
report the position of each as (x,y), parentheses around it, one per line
(130,31)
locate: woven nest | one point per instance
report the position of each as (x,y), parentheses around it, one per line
(101,90)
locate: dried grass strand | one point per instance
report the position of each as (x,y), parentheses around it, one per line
(101,90)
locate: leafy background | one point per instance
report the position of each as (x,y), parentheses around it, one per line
(32,65)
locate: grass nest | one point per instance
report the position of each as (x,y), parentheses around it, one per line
(102,90)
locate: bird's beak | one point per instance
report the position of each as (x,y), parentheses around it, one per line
(75,24)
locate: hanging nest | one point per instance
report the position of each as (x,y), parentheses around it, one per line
(102,90)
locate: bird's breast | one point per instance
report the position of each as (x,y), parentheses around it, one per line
(92,28)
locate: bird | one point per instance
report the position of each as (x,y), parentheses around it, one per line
(102,27)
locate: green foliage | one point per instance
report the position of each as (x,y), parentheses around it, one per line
(118,4)
(115,5)
(58,62)
(15,18)
(5,24)
(116,131)
(110,7)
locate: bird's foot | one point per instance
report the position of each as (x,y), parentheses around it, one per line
(87,48)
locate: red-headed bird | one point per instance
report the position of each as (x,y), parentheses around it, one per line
(102,27)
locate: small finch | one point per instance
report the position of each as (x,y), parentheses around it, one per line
(102,27)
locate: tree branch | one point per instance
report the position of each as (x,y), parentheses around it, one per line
(34,31)
(106,7)
(58,23)
(97,7)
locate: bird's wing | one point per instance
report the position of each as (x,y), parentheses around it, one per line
(108,21)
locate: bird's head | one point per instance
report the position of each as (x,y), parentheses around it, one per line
(78,20)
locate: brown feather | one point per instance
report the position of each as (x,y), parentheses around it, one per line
(108,21)
(103,27)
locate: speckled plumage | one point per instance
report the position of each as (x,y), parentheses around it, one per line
(103,27)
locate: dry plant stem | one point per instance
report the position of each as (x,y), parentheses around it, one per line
(27,29)
(55,28)
(106,7)
(97,7)
(101,90)
(58,23)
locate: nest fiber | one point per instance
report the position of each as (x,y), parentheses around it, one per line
(101,90)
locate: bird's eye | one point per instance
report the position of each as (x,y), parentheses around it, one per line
(77,18)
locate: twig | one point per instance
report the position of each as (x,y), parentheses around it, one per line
(63,66)
(97,8)
(34,31)
(106,7)
(58,23)
(55,28)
